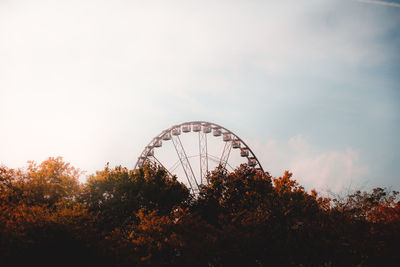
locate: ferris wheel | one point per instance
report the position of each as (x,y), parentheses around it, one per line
(186,151)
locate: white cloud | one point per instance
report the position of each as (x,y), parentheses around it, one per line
(330,170)
(383,3)
(103,77)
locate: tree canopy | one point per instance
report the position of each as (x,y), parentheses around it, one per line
(121,217)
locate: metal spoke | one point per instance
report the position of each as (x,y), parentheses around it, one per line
(225,153)
(158,162)
(194,179)
(174,166)
(187,168)
(217,160)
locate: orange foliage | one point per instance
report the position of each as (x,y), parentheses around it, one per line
(146,218)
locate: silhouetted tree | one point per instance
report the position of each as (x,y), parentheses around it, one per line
(147,218)
(116,195)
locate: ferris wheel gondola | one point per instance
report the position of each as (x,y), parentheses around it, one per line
(197,176)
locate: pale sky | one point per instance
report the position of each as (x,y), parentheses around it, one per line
(312,86)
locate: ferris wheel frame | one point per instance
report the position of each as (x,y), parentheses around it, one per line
(203,128)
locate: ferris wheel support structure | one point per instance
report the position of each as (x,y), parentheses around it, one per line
(184,162)
(203,128)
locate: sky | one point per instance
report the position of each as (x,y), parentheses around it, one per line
(312,86)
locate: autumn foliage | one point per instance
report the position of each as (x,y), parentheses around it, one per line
(121,217)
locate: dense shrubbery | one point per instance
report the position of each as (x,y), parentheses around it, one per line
(245,218)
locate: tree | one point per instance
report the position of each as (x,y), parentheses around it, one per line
(147,218)
(260,220)
(40,221)
(369,225)
(116,195)
(50,182)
